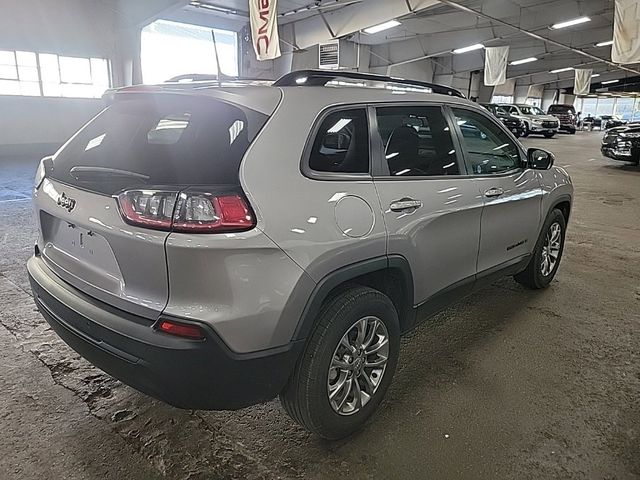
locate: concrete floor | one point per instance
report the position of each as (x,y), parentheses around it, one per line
(508,384)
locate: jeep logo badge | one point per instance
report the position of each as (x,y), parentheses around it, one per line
(66,202)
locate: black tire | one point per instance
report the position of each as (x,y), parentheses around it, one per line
(572,131)
(532,276)
(549,134)
(526,131)
(306,396)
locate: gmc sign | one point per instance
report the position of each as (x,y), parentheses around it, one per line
(264,28)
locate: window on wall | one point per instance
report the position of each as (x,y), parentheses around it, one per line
(636,111)
(18,73)
(51,75)
(624,108)
(502,99)
(170,49)
(73,76)
(605,106)
(589,107)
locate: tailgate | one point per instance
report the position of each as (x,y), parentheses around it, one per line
(90,247)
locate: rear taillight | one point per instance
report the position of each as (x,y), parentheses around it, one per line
(188,212)
(148,208)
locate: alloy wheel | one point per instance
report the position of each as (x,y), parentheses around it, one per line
(551,249)
(358,365)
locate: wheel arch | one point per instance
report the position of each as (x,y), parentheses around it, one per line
(390,275)
(562,203)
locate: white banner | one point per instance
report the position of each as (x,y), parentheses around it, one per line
(264,28)
(507,89)
(535,91)
(582,84)
(626,32)
(495,65)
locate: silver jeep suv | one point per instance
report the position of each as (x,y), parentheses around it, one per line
(215,246)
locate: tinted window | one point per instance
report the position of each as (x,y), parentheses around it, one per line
(342,143)
(417,141)
(159,140)
(530,110)
(561,109)
(489,149)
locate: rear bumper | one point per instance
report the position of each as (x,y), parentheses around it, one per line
(194,374)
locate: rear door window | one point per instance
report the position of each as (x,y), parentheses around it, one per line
(341,144)
(417,141)
(175,140)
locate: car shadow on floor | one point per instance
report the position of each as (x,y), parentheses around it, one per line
(623,167)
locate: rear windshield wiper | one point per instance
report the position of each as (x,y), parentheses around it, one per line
(81,172)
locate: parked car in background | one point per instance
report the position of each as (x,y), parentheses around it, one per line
(567,116)
(622,143)
(590,122)
(612,121)
(174,257)
(534,119)
(515,125)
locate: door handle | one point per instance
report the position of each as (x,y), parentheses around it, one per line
(493,192)
(405,204)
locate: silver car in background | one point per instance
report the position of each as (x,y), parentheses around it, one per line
(218,246)
(534,119)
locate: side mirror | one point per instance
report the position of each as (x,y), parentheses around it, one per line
(539,159)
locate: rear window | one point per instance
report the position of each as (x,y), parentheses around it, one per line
(159,140)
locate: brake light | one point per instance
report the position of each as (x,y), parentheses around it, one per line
(181,329)
(148,208)
(204,212)
(188,212)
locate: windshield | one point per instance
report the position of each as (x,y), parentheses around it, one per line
(158,140)
(531,110)
(561,109)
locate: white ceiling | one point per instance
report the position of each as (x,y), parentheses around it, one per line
(434,31)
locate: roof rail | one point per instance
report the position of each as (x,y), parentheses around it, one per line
(212,77)
(319,78)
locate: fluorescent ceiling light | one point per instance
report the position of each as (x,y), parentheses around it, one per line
(570,23)
(609,81)
(559,70)
(524,60)
(595,75)
(604,44)
(470,48)
(381,27)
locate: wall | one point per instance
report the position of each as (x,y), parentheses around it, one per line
(548,99)
(419,70)
(521,92)
(37,125)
